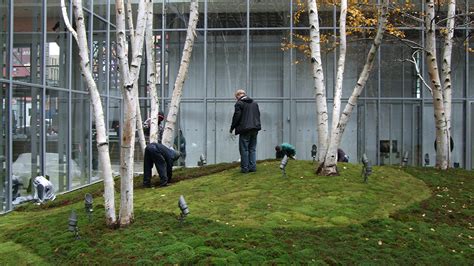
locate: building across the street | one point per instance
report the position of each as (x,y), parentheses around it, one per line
(47,125)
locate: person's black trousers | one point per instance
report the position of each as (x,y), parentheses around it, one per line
(154,157)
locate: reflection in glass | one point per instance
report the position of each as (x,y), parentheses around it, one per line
(266,64)
(177,14)
(4,182)
(194,85)
(226,62)
(81,138)
(26,132)
(57,117)
(227,14)
(56,47)
(270,13)
(4,19)
(99,55)
(27,42)
(114,133)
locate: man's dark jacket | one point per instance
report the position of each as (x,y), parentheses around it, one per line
(246,116)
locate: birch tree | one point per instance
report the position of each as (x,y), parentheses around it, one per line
(440,82)
(328,145)
(172,116)
(101,134)
(129,74)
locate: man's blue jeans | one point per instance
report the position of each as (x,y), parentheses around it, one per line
(248,151)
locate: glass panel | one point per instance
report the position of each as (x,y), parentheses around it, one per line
(267,61)
(470,76)
(26,130)
(367,126)
(57,117)
(77,83)
(194,84)
(192,127)
(177,14)
(114,86)
(114,133)
(270,13)
(457,134)
(300,14)
(355,60)
(226,63)
(27,42)
(4,180)
(271,116)
(226,148)
(306,135)
(57,50)
(398,76)
(100,8)
(412,133)
(429,133)
(227,14)
(391,137)
(81,139)
(303,69)
(472,135)
(4,14)
(458,66)
(99,55)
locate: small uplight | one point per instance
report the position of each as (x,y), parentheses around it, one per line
(183,207)
(405,159)
(88,205)
(283,164)
(73,224)
(202,160)
(366,167)
(314,151)
(427,159)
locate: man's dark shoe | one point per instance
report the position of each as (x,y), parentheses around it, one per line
(163,184)
(244,171)
(253,170)
(147,185)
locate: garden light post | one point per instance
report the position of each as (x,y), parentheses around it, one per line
(73,225)
(88,205)
(314,151)
(183,207)
(283,164)
(427,159)
(405,159)
(366,167)
(202,160)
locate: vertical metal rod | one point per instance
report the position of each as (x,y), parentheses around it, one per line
(43,89)
(69,122)
(422,106)
(292,82)
(205,81)
(9,107)
(249,89)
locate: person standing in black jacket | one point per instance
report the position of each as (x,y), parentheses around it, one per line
(246,122)
(162,157)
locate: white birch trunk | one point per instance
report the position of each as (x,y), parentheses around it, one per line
(182,73)
(151,77)
(131,28)
(318,79)
(362,80)
(101,133)
(330,161)
(442,136)
(446,74)
(129,75)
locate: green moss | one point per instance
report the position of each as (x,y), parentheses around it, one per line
(399,217)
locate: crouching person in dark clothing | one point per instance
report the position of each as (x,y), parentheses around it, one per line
(162,157)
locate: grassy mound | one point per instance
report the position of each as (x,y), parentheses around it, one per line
(265,218)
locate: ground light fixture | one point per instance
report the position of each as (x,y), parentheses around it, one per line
(314,151)
(366,167)
(73,225)
(283,164)
(427,159)
(88,205)
(405,159)
(183,207)
(202,160)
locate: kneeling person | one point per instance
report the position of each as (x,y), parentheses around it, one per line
(162,157)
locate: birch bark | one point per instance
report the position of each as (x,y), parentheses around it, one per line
(129,75)
(101,133)
(318,79)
